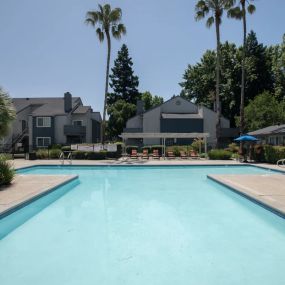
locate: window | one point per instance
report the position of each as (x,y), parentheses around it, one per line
(77,123)
(43,122)
(43,141)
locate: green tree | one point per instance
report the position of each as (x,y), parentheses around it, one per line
(123,81)
(107,22)
(119,112)
(150,101)
(239,12)
(216,9)
(257,66)
(264,111)
(199,81)
(277,58)
(7,113)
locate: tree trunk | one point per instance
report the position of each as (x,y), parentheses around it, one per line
(218,67)
(103,125)
(242,95)
(243,72)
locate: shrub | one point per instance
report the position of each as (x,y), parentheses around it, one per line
(54,153)
(273,153)
(233,147)
(216,154)
(7,173)
(78,154)
(258,153)
(113,154)
(96,155)
(198,144)
(56,146)
(66,148)
(42,153)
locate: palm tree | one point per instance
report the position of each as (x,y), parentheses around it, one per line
(239,13)
(107,23)
(216,9)
(7,113)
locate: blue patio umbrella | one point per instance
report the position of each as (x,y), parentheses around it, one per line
(246,138)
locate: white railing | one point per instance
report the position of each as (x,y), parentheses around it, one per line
(281,163)
(68,159)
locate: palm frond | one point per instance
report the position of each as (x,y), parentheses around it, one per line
(115,15)
(210,22)
(251,8)
(92,18)
(100,34)
(235,13)
(118,31)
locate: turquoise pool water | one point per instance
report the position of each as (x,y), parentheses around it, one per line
(142,225)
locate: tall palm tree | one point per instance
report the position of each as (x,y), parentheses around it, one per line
(107,23)
(7,113)
(216,9)
(239,12)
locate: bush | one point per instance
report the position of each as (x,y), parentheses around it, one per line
(56,146)
(66,148)
(42,153)
(96,155)
(198,144)
(216,154)
(54,153)
(273,153)
(7,173)
(258,153)
(233,147)
(78,154)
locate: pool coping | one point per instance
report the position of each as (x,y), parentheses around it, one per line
(37,196)
(252,198)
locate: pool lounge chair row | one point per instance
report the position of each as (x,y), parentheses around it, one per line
(169,154)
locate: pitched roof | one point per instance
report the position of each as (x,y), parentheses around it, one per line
(44,106)
(277,129)
(81,109)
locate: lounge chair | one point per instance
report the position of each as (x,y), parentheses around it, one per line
(183,155)
(134,154)
(170,155)
(155,154)
(194,155)
(145,154)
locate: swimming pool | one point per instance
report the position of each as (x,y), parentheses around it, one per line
(143,225)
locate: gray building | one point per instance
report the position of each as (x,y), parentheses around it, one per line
(176,115)
(42,122)
(274,135)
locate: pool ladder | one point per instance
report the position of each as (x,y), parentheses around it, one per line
(281,163)
(68,159)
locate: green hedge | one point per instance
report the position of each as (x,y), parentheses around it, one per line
(216,154)
(7,172)
(273,153)
(42,154)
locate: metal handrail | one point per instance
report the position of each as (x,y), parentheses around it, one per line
(281,162)
(62,157)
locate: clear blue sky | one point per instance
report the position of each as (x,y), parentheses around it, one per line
(46,49)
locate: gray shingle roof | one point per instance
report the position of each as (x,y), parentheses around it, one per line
(43,106)
(277,129)
(81,110)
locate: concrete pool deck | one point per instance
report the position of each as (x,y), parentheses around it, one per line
(27,187)
(266,189)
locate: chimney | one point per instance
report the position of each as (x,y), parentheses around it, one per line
(67,102)
(140,107)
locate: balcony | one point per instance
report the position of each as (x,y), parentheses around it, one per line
(70,130)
